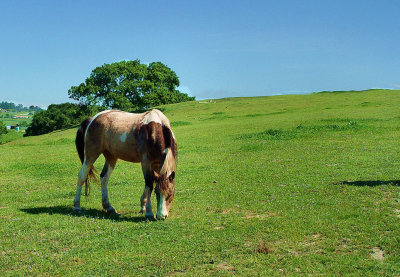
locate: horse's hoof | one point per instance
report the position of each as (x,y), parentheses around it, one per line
(150,217)
(161,217)
(112,212)
(78,212)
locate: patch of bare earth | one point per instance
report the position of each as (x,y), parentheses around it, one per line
(378,254)
(228,211)
(262,248)
(312,240)
(259,216)
(344,245)
(309,245)
(225,266)
(312,244)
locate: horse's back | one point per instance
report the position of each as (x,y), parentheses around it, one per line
(123,135)
(111,132)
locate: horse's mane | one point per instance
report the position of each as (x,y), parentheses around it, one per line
(169,164)
(169,140)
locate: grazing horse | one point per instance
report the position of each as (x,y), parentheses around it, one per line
(146,138)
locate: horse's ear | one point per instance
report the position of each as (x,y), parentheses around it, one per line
(156,176)
(172,176)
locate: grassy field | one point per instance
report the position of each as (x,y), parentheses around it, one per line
(266,186)
(14,121)
(12,134)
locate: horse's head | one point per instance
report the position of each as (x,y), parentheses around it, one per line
(165,192)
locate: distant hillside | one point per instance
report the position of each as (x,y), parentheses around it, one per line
(348,91)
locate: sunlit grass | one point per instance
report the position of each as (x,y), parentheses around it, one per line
(283,185)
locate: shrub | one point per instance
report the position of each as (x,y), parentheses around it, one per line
(59,116)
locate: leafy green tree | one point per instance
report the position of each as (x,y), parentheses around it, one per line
(129,85)
(3,129)
(58,117)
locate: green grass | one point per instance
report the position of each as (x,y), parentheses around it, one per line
(10,136)
(266,186)
(13,121)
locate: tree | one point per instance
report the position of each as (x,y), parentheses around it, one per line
(129,85)
(58,117)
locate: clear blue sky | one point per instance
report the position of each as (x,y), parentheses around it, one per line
(217,48)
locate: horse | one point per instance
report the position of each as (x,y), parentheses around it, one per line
(145,138)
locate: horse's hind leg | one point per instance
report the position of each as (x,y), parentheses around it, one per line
(105,175)
(82,177)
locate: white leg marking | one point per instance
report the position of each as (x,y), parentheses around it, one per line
(162,212)
(80,175)
(77,200)
(81,179)
(143,200)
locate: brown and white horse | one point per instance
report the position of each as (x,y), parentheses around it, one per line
(146,138)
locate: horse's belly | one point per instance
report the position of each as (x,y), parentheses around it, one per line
(130,158)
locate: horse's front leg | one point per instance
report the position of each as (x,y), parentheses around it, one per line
(149,212)
(145,200)
(162,212)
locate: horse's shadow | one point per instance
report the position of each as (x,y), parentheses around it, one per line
(369,183)
(89,213)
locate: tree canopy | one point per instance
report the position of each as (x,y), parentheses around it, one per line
(129,85)
(59,116)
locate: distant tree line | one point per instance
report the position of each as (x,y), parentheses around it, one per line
(9,106)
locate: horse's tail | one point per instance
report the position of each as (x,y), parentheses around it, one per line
(171,153)
(80,148)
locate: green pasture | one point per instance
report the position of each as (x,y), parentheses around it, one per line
(12,134)
(14,121)
(266,186)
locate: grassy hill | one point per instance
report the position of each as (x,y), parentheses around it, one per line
(282,185)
